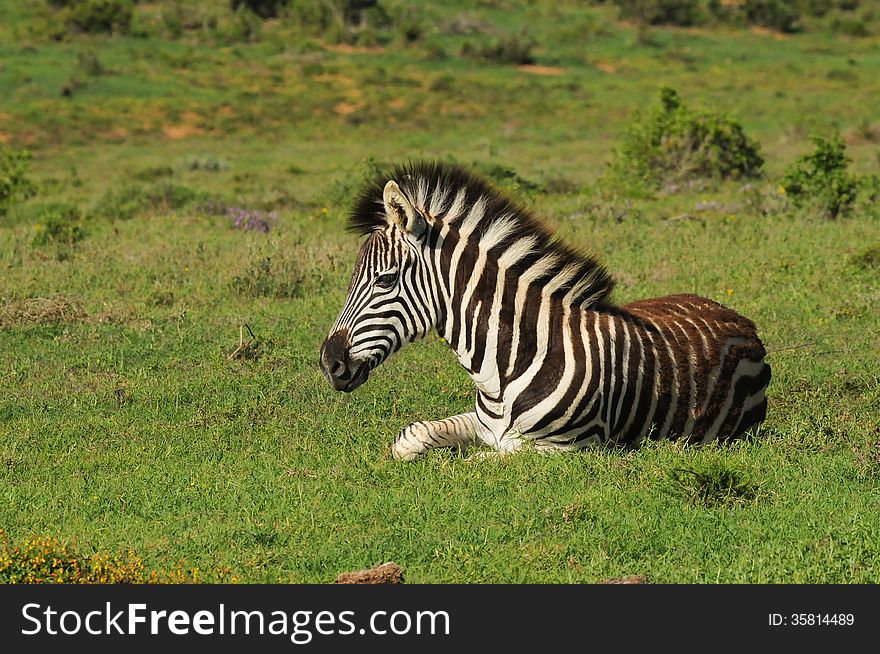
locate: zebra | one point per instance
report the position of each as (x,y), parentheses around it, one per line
(555,362)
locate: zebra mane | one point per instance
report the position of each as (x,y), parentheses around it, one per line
(449,193)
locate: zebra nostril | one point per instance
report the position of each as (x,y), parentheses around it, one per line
(337,369)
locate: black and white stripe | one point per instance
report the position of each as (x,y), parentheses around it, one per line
(530,319)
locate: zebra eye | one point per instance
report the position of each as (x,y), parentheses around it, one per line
(386,280)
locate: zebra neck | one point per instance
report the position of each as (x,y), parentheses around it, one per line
(487,318)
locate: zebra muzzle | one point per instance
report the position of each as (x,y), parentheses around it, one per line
(341,371)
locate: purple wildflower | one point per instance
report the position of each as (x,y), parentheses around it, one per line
(251,219)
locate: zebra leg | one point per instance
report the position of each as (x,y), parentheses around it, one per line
(458,431)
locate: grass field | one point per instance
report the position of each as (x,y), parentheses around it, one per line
(124,424)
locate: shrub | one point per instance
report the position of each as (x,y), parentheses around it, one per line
(262,8)
(819,180)
(88,64)
(207,163)
(98,16)
(342,192)
(49,560)
(363,22)
(662,12)
(672,142)
(244,26)
(506,177)
(60,223)
(14,183)
(773,14)
(508,50)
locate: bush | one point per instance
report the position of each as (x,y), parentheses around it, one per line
(672,143)
(819,180)
(343,191)
(59,223)
(363,22)
(14,183)
(506,177)
(98,16)
(262,8)
(205,163)
(244,26)
(508,50)
(774,14)
(684,13)
(49,560)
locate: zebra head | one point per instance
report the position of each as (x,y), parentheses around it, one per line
(389,302)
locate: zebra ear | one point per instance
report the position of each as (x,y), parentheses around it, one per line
(399,209)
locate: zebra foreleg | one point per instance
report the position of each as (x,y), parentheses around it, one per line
(458,431)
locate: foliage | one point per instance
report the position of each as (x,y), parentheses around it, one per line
(206,163)
(15,185)
(671,143)
(44,559)
(820,180)
(662,12)
(262,8)
(775,14)
(361,22)
(778,15)
(508,50)
(98,16)
(342,192)
(506,177)
(60,223)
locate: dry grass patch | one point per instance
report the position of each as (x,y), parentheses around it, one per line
(39,310)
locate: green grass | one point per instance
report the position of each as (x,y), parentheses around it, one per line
(124,426)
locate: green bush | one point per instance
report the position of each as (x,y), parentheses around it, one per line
(262,8)
(60,223)
(98,16)
(14,183)
(354,22)
(779,15)
(774,14)
(662,12)
(508,50)
(506,177)
(671,143)
(820,181)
